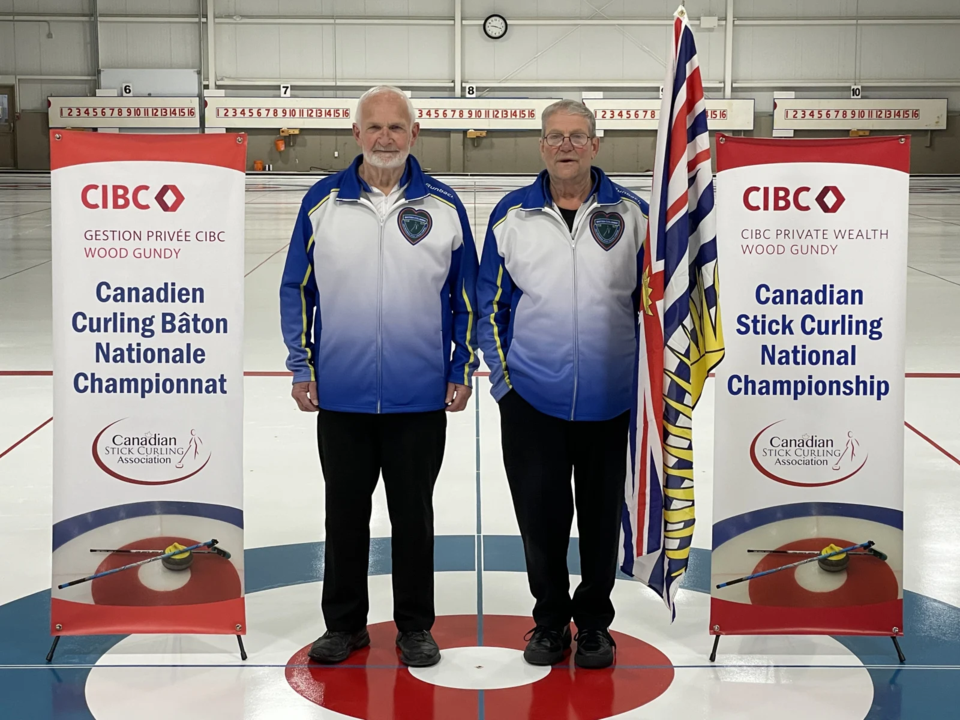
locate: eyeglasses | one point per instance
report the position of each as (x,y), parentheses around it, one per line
(578,140)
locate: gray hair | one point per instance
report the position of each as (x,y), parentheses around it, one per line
(569,107)
(380,89)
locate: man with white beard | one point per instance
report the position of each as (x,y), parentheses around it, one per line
(377,311)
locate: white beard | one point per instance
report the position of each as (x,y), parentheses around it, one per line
(385,161)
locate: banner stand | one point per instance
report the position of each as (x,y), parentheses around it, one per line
(243,652)
(896,644)
(809,431)
(148,314)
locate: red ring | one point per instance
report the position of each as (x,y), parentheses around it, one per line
(869,580)
(373,685)
(212,578)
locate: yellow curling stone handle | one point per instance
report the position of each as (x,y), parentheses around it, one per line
(181,556)
(833,548)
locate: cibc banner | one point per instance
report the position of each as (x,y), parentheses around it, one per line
(148,240)
(809,398)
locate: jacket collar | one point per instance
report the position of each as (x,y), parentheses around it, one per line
(351,184)
(538,193)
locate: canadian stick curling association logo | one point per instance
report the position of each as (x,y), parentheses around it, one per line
(805,459)
(148,457)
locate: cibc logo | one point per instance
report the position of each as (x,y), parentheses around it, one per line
(779,199)
(122,197)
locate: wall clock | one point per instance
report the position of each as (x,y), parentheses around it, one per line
(495,27)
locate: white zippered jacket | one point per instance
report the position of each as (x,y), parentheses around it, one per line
(379,309)
(559,309)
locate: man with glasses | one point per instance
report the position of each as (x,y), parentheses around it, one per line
(559,289)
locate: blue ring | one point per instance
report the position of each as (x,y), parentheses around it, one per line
(731,527)
(68,529)
(38,692)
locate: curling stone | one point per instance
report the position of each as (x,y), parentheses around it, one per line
(837,563)
(180,561)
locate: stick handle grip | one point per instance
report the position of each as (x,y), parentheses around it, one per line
(71,583)
(732,582)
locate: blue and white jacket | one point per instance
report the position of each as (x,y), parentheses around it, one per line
(559,309)
(380,313)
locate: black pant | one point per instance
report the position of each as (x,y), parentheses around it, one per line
(539,454)
(354,449)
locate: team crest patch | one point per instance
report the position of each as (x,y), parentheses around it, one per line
(607,228)
(415,224)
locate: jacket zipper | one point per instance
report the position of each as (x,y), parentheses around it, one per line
(382,220)
(576,324)
(576,313)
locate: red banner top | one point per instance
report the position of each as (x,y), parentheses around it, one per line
(76,147)
(889,152)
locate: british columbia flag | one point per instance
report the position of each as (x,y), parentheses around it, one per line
(681,338)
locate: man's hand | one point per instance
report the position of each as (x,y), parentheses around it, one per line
(305,393)
(457,397)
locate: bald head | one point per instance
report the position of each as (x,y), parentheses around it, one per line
(386,94)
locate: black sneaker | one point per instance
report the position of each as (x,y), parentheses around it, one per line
(418,648)
(595,649)
(335,647)
(546,646)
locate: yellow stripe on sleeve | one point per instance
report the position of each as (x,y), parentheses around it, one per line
(466,369)
(496,330)
(315,207)
(443,200)
(509,210)
(303,309)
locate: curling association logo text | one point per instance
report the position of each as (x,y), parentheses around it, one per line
(128,451)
